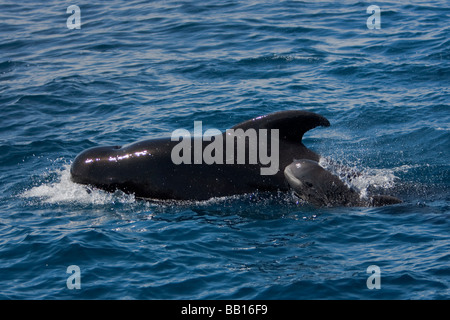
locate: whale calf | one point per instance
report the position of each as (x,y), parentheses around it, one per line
(317,186)
(149,170)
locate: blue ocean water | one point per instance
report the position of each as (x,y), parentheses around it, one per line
(138,69)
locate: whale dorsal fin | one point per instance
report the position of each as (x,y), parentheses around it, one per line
(292,124)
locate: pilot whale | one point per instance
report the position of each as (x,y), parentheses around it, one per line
(147,168)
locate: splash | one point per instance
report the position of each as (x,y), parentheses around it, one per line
(63,190)
(363,180)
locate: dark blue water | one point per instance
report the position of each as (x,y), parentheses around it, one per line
(140,69)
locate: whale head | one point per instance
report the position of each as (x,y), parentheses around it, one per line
(129,168)
(318,186)
(95,167)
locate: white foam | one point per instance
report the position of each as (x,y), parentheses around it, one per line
(63,190)
(363,179)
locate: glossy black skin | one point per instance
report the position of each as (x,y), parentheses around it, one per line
(146,169)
